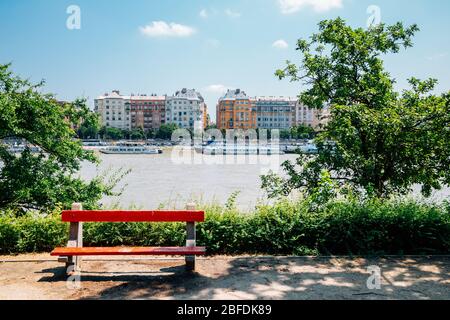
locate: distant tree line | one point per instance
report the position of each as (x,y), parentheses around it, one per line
(87,131)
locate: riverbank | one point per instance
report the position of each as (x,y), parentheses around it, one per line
(223,277)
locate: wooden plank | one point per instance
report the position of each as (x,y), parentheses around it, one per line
(190,240)
(128,251)
(133,216)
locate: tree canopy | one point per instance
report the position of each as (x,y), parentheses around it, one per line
(48,178)
(378,140)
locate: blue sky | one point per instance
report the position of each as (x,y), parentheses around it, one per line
(156,46)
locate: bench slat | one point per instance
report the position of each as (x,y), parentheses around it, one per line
(127,251)
(133,216)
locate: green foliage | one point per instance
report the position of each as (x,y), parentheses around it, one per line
(302,132)
(138,134)
(139,234)
(285,134)
(31,233)
(165,131)
(325,191)
(231,201)
(90,121)
(113,133)
(49,178)
(223,232)
(378,141)
(346,227)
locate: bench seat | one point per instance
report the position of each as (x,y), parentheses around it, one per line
(126,251)
(74,252)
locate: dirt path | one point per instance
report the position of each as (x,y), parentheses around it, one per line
(41,277)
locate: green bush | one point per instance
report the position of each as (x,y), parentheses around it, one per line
(9,235)
(31,233)
(286,228)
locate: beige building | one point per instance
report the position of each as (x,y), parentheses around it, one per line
(310,117)
(114,110)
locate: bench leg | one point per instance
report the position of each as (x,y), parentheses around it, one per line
(75,241)
(190,242)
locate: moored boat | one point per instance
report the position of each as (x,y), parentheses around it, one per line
(239,149)
(130,150)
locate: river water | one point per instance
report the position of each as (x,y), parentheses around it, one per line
(172,179)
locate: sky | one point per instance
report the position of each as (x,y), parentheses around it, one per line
(84,48)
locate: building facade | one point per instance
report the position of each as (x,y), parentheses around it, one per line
(236,110)
(275,112)
(147,112)
(186,107)
(114,110)
(310,117)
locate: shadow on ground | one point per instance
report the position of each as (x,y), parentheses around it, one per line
(266,278)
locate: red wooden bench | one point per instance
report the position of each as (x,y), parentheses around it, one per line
(71,255)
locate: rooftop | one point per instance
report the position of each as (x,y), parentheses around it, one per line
(234,94)
(189,94)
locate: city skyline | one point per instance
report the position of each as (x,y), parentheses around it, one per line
(212,46)
(186,108)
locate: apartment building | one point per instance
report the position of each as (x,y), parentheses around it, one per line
(114,110)
(186,107)
(275,112)
(147,112)
(236,110)
(310,117)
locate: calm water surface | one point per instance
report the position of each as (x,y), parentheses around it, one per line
(159,180)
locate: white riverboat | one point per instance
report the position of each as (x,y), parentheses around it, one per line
(305,149)
(130,150)
(239,149)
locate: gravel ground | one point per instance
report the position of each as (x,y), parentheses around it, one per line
(220,277)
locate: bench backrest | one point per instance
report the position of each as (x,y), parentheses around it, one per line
(133,216)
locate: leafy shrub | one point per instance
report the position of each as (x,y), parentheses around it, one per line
(287,228)
(31,233)
(9,235)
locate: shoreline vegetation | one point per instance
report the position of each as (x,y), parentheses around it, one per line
(340,227)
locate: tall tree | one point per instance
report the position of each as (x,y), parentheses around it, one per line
(378,140)
(48,178)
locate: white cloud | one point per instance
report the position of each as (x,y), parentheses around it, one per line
(217,88)
(291,6)
(164,29)
(232,14)
(204,13)
(280,44)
